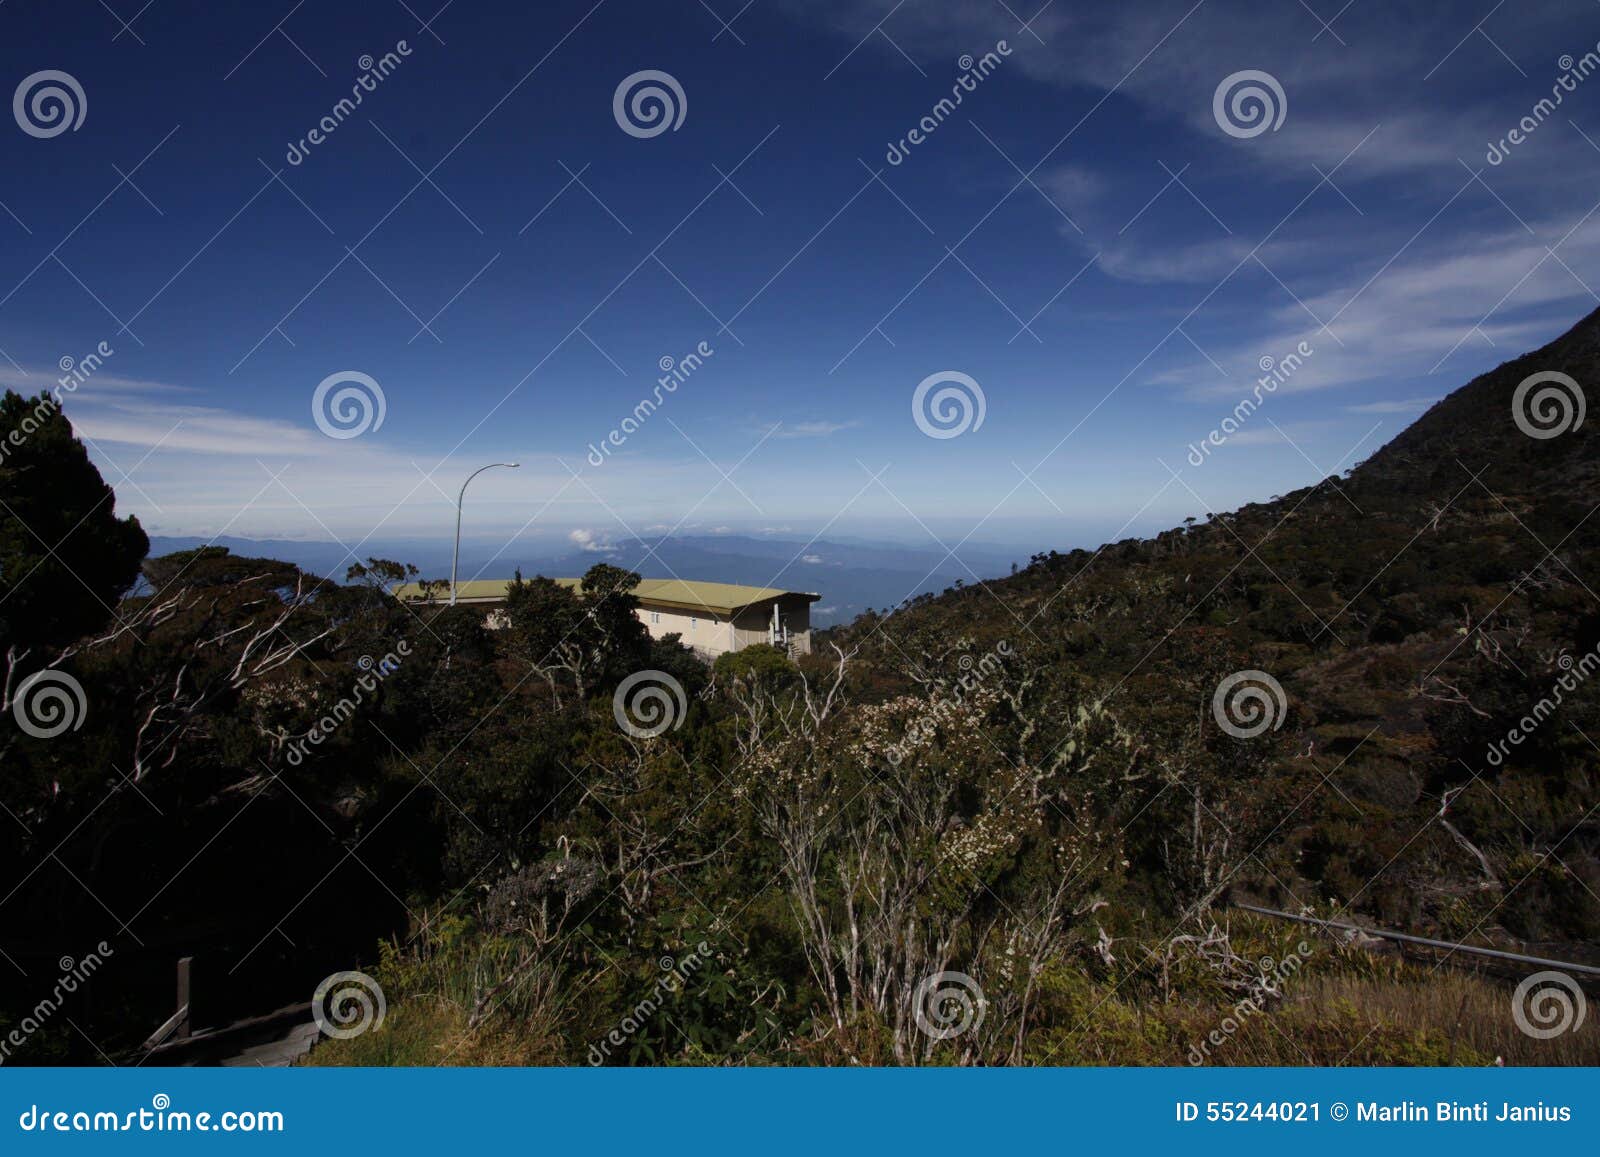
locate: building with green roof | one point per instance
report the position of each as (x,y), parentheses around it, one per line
(713,618)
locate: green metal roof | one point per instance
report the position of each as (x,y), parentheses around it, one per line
(681,594)
(475,591)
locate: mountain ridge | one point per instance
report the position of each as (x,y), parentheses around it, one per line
(1411,615)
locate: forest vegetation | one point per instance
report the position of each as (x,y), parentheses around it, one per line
(1021,781)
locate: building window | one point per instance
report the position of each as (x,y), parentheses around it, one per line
(693,623)
(655,616)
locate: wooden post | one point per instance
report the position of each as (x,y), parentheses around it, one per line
(184,993)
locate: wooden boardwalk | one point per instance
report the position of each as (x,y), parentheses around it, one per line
(277,1040)
(277,1054)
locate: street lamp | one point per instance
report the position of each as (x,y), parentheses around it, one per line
(456,554)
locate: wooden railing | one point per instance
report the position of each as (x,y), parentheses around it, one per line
(1448,946)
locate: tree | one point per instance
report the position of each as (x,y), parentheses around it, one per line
(759,665)
(381,573)
(65,557)
(588,636)
(621,641)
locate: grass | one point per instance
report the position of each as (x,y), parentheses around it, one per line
(1472,1013)
(1343,1007)
(432,990)
(419,1032)
(1346,1009)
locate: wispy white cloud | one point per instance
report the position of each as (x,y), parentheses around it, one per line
(33,379)
(145,423)
(814,429)
(1391,68)
(1399,406)
(1414,314)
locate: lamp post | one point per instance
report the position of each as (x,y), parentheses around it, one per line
(456,554)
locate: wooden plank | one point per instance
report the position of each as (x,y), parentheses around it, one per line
(276,1054)
(185,1021)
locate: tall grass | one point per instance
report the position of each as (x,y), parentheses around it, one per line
(433,989)
(1344,1007)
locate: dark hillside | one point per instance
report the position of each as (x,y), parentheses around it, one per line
(1474,424)
(1414,611)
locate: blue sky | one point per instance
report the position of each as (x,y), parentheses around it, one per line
(1081,238)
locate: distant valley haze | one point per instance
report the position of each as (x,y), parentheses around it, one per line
(851,576)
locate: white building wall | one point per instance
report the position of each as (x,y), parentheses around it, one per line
(705,632)
(712,634)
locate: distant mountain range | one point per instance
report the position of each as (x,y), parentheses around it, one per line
(851,576)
